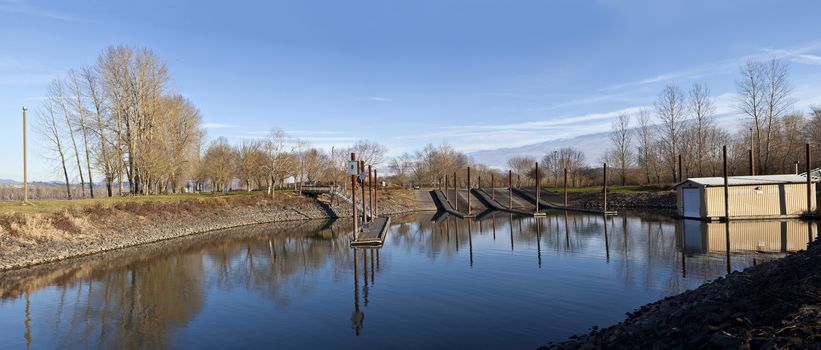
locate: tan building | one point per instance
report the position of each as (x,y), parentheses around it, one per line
(751,197)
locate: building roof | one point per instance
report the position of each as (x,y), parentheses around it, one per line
(746,180)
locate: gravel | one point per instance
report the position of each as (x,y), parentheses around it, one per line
(774,305)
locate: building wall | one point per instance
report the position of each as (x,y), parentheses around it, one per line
(759,200)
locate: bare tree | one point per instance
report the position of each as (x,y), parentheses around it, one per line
(58,96)
(371,153)
(219,163)
(646,136)
(48,127)
(671,111)
(621,136)
(702,110)
(813,130)
(80,116)
(521,165)
(764,96)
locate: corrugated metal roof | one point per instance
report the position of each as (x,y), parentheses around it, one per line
(746,180)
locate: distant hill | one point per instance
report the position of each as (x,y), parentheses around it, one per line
(9,182)
(592,145)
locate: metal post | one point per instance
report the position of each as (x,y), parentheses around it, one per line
(455,193)
(364,200)
(370,191)
(726,188)
(565,187)
(752,153)
(353,200)
(510,189)
(376,193)
(809,180)
(25,160)
(468,190)
(604,187)
(538,186)
(492,187)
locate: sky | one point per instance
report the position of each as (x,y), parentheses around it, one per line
(476,74)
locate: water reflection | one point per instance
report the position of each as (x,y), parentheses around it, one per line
(282,285)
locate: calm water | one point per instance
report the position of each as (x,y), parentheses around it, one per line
(497,282)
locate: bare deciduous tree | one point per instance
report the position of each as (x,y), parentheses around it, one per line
(702,110)
(621,136)
(670,109)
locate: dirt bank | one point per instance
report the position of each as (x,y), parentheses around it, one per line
(775,305)
(660,200)
(31,239)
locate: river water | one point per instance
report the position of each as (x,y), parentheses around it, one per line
(498,281)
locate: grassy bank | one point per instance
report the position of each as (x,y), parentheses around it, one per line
(43,231)
(50,205)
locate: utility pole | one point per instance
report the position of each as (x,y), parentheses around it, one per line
(25,160)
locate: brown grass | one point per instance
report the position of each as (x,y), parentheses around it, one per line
(70,218)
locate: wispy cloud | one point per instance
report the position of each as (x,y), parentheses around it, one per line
(374,99)
(21,8)
(800,54)
(475,137)
(218,126)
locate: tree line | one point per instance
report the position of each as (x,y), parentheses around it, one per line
(118,122)
(646,147)
(118,118)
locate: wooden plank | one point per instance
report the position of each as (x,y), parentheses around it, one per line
(373,233)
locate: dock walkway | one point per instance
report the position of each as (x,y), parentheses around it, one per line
(373,233)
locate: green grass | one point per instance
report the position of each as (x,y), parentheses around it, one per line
(46,206)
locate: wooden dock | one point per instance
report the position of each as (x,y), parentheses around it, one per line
(373,233)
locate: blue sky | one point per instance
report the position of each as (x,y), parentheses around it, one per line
(479,74)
